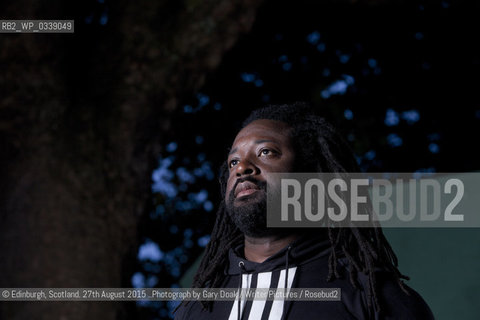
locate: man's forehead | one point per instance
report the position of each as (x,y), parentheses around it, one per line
(265,127)
(262,131)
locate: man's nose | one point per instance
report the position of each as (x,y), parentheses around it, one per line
(246,168)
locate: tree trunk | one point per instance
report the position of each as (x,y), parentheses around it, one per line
(81,121)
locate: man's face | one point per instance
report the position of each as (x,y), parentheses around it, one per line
(260,149)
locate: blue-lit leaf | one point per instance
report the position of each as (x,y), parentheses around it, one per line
(434,148)
(370,155)
(203,241)
(348,114)
(208,206)
(171,147)
(150,251)
(138,280)
(313,37)
(248,77)
(203,100)
(411,116)
(287,66)
(391,118)
(394,140)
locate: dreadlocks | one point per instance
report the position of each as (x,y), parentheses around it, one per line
(318,148)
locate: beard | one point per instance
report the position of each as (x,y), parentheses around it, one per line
(249,213)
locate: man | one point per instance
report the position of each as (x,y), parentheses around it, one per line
(244,253)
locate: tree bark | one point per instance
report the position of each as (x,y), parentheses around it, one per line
(81,122)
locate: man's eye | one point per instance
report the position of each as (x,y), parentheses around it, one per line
(266,152)
(233,163)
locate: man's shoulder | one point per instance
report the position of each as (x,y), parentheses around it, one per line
(398,302)
(395,302)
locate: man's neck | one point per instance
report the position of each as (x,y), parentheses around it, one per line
(260,249)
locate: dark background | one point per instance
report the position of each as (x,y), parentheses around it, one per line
(111,138)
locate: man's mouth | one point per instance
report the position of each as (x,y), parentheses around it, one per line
(245,188)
